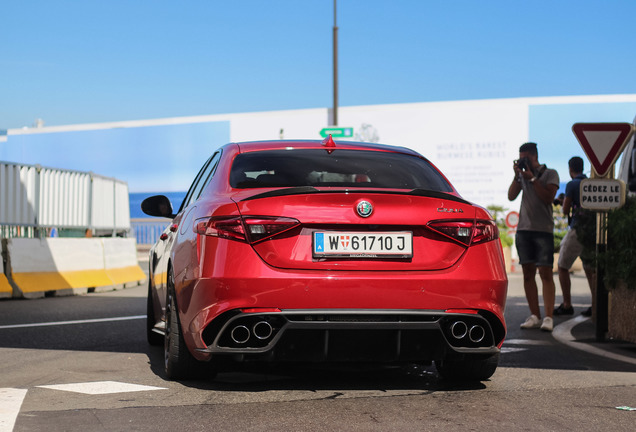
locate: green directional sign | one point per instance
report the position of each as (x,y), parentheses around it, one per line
(337,132)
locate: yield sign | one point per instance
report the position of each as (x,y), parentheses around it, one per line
(602,142)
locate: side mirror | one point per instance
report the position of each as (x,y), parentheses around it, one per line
(157,205)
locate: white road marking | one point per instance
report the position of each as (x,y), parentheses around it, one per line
(525,342)
(505,349)
(58,323)
(101,387)
(10,403)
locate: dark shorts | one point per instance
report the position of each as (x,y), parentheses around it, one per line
(535,247)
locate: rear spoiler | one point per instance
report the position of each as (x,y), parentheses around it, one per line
(301,190)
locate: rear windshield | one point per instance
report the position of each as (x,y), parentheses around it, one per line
(341,168)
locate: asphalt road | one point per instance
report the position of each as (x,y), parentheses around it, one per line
(82,363)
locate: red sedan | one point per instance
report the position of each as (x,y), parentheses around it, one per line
(310,251)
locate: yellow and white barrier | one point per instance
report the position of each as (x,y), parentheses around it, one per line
(5,287)
(71,265)
(120,261)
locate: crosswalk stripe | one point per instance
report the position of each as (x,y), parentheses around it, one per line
(10,403)
(101,387)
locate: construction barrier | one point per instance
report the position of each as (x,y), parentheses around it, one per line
(120,261)
(66,266)
(5,287)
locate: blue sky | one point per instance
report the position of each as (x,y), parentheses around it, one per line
(551,128)
(70,62)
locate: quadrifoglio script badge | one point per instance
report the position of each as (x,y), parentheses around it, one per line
(450,210)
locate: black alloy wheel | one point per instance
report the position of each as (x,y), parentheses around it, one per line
(153,337)
(178,362)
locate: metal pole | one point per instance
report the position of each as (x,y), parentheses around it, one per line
(335,66)
(36,201)
(602,297)
(90,202)
(114,209)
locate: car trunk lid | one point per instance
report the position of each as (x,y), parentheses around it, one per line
(337,218)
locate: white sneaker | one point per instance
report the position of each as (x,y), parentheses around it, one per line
(532,322)
(547,324)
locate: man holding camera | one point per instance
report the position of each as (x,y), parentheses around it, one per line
(535,232)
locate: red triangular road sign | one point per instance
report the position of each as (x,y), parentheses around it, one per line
(602,142)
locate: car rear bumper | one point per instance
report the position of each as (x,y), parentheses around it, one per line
(211,298)
(349,335)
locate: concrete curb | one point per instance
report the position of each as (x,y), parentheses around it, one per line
(563,334)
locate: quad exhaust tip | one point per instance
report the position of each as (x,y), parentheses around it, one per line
(262,330)
(459,330)
(476,334)
(240,334)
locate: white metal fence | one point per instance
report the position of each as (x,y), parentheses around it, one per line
(147,230)
(35,200)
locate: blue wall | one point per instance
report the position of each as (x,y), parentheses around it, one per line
(151,158)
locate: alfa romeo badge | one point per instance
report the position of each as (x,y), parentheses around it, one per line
(364,209)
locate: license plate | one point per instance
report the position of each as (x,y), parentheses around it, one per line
(363,245)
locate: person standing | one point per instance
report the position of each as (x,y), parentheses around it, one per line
(535,232)
(571,248)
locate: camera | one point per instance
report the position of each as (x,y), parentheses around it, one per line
(523,164)
(558,201)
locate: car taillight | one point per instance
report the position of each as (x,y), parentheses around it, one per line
(230,228)
(262,228)
(249,229)
(485,231)
(466,232)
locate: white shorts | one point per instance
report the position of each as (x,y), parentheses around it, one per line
(570,249)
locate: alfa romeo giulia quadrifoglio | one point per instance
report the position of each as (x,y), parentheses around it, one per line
(310,251)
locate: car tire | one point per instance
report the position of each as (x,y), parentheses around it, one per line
(153,337)
(468,368)
(178,361)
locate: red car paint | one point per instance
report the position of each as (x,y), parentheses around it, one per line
(241,264)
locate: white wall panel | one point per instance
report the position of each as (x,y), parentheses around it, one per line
(17,194)
(473,142)
(102,211)
(122,205)
(32,196)
(63,198)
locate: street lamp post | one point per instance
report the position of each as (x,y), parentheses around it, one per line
(335,66)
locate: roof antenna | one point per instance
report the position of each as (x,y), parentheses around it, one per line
(329,143)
